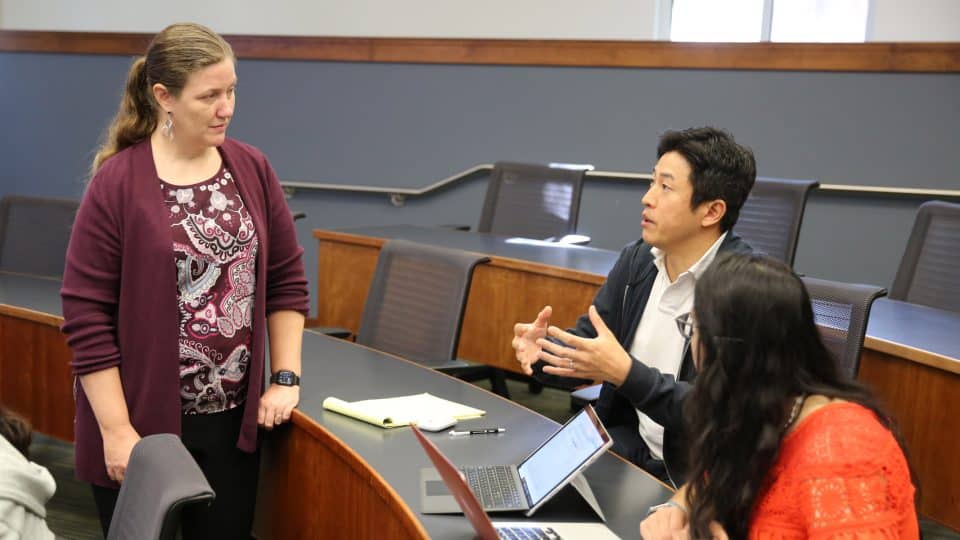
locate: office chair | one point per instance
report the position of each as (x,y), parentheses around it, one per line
(161,479)
(34,234)
(416,304)
(532,201)
(841,311)
(771,217)
(928,269)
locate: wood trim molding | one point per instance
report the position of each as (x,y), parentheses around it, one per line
(920,356)
(874,57)
(47,319)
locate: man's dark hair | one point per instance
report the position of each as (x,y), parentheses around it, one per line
(16,429)
(722,169)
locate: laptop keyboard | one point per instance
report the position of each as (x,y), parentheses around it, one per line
(527,533)
(494,486)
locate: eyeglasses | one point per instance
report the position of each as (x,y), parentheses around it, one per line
(685,326)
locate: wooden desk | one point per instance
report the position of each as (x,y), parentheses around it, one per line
(911,359)
(35,377)
(911,354)
(386,463)
(520,279)
(326,475)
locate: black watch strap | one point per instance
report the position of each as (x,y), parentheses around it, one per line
(285,377)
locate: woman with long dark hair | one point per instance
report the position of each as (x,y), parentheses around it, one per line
(782,445)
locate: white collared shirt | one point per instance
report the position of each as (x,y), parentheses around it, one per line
(657,342)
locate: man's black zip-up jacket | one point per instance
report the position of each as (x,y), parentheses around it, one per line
(620,302)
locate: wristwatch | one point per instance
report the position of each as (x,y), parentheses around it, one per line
(285,377)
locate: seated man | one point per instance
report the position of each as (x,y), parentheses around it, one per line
(629,338)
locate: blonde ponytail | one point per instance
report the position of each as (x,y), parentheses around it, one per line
(136,119)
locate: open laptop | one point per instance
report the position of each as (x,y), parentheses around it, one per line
(486,529)
(527,486)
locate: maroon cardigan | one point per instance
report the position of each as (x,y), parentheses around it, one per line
(120,292)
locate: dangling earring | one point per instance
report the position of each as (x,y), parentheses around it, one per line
(167,128)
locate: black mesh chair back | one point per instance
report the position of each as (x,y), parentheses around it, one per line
(770,219)
(34,233)
(417,300)
(161,480)
(930,267)
(841,311)
(531,201)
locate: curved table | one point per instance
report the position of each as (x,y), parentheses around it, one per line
(911,355)
(326,475)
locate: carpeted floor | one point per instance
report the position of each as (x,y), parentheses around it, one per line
(70,513)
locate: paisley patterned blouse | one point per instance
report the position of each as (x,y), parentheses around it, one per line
(215,248)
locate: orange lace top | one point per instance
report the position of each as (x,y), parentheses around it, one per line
(840,474)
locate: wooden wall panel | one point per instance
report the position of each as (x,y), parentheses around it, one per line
(35,378)
(344,273)
(926,405)
(313,486)
(876,57)
(500,297)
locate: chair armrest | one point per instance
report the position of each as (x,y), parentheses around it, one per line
(453,367)
(332,331)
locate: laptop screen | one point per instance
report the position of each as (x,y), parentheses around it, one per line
(577,441)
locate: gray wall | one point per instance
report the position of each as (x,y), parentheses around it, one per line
(408,125)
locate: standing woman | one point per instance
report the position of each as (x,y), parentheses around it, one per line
(182,261)
(782,445)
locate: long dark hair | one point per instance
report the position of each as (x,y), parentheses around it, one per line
(16,429)
(759,348)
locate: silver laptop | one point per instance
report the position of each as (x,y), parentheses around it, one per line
(527,486)
(487,530)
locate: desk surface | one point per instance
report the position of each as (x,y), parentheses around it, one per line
(582,258)
(41,295)
(337,368)
(901,326)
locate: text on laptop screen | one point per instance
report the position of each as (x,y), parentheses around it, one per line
(561,455)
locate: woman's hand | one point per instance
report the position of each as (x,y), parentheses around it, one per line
(118,443)
(276,405)
(666,523)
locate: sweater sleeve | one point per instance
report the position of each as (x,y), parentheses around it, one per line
(853,481)
(91,283)
(660,396)
(286,281)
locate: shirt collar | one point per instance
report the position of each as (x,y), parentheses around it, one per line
(698,267)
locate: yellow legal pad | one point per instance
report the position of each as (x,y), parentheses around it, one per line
(401,411)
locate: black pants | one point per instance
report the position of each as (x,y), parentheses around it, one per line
(232,473)
(628,443)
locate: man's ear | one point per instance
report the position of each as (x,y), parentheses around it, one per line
(163,97)
(713,212)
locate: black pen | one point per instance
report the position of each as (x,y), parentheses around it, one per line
(484,431)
